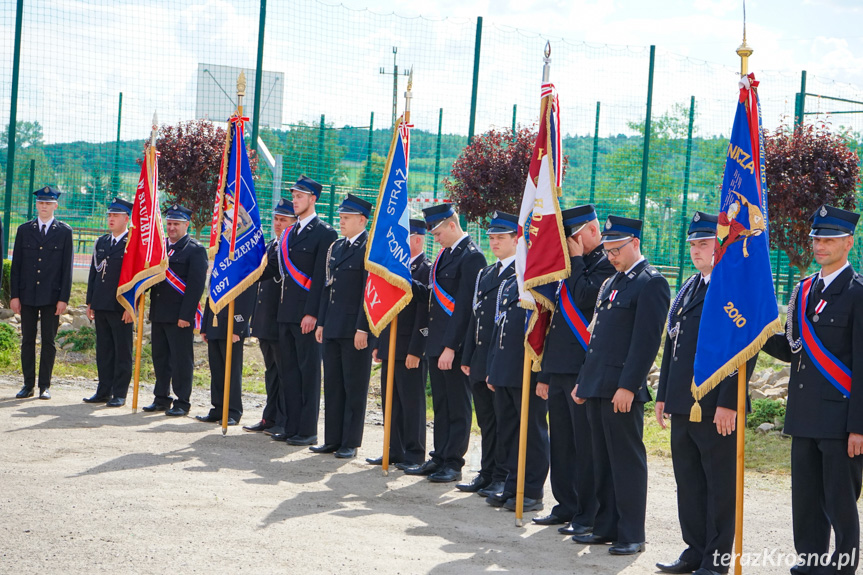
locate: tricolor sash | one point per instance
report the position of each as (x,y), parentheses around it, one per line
(294,272)
(574,318)
(178,284)
(446,301)
(827,363)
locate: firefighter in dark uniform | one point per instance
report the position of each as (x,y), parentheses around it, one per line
(266,329)
(173,308)
(40,283)
(301,263)
(505,372)
(630,315)
(214,331)
(824,414)
(565,348)
(408,428)
(502,240)
(343,329)
(451,285)
(113,323)
(704,454)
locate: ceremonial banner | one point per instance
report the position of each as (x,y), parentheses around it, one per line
(145,261)
(740,310)
(542,258)
(388,253)
(240,253)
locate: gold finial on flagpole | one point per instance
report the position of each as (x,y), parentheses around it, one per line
(241,84)
(744,50)
(546,67)
(409,95)
(155,128)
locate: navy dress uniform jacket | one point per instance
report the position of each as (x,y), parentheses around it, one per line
(41,269)
(188,259)
(476,345)
(563,353)
(264,325)
(102,285)
(456,273)
(412,327)
(341,311)
(626,335)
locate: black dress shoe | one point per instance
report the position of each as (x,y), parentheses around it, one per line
(375,460)
(209,418)
(302,440)
(679,566)
(279,437)
(256,428)
(706,571)
(154,407)
(550,519)
(325,448)
(24,393)
(498,499)
(474,484)
(345,453)
(274,430)
(177,412)
(491,489)
(591,539)
(116,402)
(426,468)
(445,475)
(575,529)
(527,505)
(626,548)
(404,465)
(44,393)
(231,422)
(97,399)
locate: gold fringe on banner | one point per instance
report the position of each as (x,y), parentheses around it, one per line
(220,194)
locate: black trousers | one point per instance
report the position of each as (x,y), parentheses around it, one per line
(30,316)
(705,466)
(825,487)
(408,428)
(217,351)
(113,354)
(452,413)
(507,406)
(571,453)
(346,390)
(300,379)
(273,410)
(620,470)
(173,362)
(492,454)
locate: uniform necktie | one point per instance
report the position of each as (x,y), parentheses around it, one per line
(498,267)
(43,229)
(113,242)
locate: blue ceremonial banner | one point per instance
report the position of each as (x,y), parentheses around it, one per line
(740,310)
(241,254)
(388,253)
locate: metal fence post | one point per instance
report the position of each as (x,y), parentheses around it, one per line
(259,75)
(645,158)
(332,202)
(13,125)
(369,153)
(800,101)
(437,151)
(476,50)
(514,111)
(30,197)
(115,172)
(683,208)
(594,156)
(321,138)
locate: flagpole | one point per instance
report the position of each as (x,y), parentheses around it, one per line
(391,350)
(139,340)
(525,378)
(744,51)
(229,342)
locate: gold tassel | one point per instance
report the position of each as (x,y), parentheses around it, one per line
(215,321)
(695,412)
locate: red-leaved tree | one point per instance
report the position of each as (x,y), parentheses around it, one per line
(189,162)
(805,168)
(491,172)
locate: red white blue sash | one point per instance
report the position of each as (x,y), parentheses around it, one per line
(446,301)
(574,318)
(827,363)
(178,284)
(294,272)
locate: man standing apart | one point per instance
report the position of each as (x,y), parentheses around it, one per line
(704,453)
(451,285)
(172,315)
(266,329)
(565,349)
(40,284)
(630,312)
(408,429)
(113,323)
(824,414)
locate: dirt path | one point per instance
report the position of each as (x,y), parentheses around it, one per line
(88,489)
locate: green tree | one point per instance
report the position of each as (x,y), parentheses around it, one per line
(302,153)
(26,134)
(372,172)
